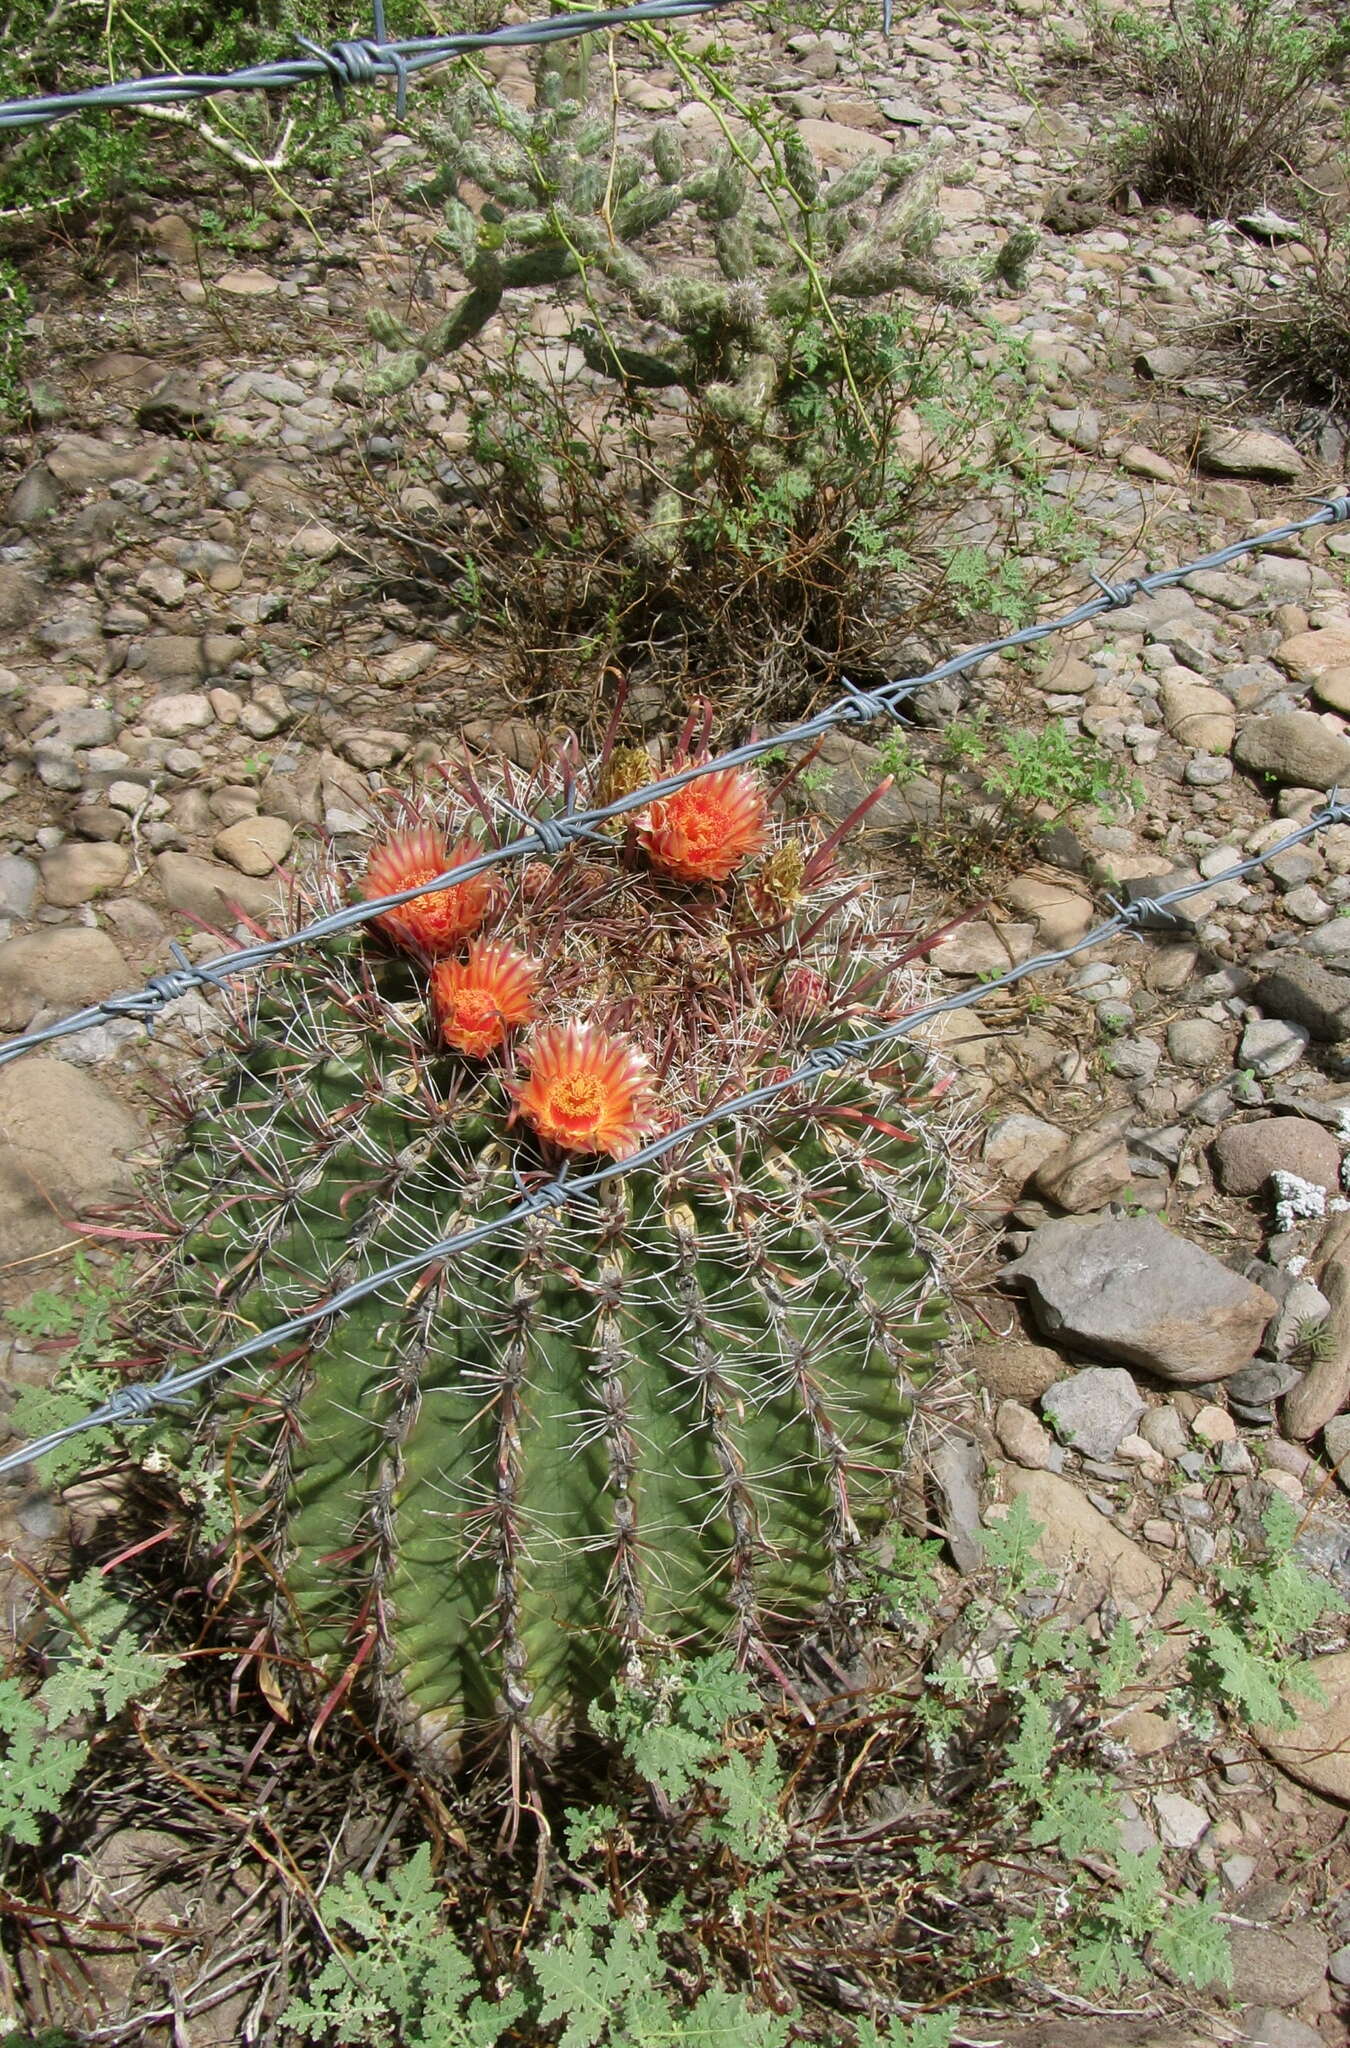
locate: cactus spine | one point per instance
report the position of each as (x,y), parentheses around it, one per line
(670,1413)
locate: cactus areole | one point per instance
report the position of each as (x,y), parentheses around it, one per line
(667,1414)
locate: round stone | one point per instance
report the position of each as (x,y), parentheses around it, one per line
(1245,1155)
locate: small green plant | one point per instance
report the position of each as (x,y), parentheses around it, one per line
(88,1326)
(96,1665)
(1296,345)
(1242,1658)
(410,1984)
(776,423)
(1000,790)
(13,337)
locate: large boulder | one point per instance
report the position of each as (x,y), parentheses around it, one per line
(1129,1288)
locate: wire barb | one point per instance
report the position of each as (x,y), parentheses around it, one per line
(863,707)
(1117,595)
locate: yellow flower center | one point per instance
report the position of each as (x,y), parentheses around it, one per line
(577,1096)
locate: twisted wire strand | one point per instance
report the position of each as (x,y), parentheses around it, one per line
(550,836)
(132,1403)
(342,64)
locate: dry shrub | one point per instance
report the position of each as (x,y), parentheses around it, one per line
(1231,88)
(1297,347)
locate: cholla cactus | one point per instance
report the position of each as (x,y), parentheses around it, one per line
(556,209)
(669,1413)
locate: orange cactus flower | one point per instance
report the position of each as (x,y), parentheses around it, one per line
(704,831)
(587,1092)
(434,924)
(478,1000)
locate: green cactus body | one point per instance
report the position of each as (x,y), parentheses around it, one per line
(735,249)
(643,209)
(728,193)
(854,184)
(468,317)
(669,1413)
(668,153)
(397,375)
(630,365)
(388,329)
(800,169)
(659,538)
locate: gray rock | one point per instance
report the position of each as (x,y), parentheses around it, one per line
(1279,1965)
(957,1469)
(168,658)
(1267,2027)
(1095,1410)
(1216,1104)
(1336,1443)
(1129,1288)
(1302,991)
(1253,1392)
(34,498)
(1090,1171)
(1093,1557)
(254,845)
(18,886)
(1181,1822)
(62,967)
(1134,1059)
(1196,1042)
(86,725)
(1228,451)
(1246,1155)
(982,948)
(1294,747)
(854,772)
(1271,1045)
(1025,1439)
(63,1141)
(21,597)
(173,716)
(1164,365)
(1303,1305)
(1163,1428)
(1330,941)
(1016,1146)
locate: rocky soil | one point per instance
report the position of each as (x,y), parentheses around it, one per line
(197,676)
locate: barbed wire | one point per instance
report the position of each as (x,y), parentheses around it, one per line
(343,64)
(548,837)
(134,1403)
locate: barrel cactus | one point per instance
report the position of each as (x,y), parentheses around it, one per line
(666,1413)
